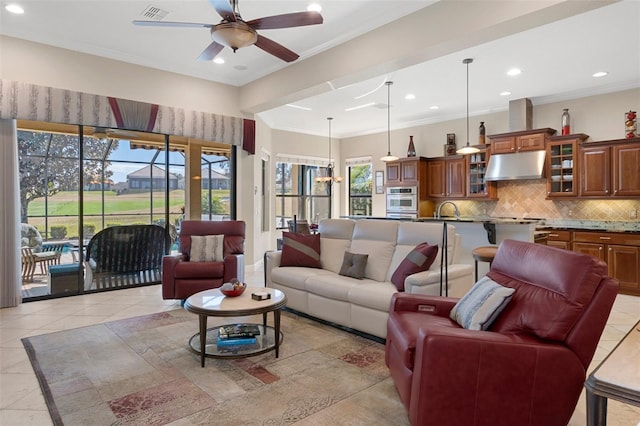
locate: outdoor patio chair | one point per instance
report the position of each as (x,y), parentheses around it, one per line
(30,259)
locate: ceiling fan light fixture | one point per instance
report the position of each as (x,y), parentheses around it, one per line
(234,34)
(467,149)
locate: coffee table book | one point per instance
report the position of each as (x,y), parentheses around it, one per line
(238,330)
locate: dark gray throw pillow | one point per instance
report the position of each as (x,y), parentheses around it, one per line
(353,265)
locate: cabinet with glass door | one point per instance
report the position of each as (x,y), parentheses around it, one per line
(562,165)
(477,186)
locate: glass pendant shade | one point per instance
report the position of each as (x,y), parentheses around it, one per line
(388,157)
(467,149)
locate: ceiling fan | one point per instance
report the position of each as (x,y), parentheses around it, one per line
(235,33)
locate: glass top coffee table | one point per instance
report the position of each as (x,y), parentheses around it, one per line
(212,303)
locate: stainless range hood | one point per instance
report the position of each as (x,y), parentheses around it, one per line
(519,165)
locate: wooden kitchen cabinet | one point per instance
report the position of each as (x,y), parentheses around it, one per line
(528,140)
(621,252)
(477,187)
(447,177)
(562,165)
(406,171)
(559,239)
(626,169)
(610,169)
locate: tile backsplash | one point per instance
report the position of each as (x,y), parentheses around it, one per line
(526,198)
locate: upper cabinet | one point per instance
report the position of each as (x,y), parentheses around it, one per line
(406,171)
(528,140)
(562,165)
(610,169)
(447,177)
(477,187)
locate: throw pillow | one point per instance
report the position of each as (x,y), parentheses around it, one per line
(353,265)
(300,250)
(419,259)
(477,309)
(207,248)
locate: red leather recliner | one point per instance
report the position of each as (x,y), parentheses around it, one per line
(182,278)
(529,368)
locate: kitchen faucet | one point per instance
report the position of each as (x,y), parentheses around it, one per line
(457,212)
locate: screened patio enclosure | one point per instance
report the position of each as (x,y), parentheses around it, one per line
(76,181)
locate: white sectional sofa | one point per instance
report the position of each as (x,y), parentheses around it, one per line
(363,304)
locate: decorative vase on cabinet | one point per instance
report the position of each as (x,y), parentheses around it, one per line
(411,151)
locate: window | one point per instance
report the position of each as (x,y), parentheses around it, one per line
(360,185)
(298,193)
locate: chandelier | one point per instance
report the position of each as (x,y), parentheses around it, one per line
(326,175)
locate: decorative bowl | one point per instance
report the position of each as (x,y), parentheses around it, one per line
(233,290)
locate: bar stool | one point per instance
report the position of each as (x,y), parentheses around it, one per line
(484,254)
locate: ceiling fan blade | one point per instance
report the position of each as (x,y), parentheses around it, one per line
(224,9)
(171,24)
(276,49)
(287,20)
(210,52)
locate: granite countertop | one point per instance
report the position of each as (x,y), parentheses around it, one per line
(591,225)
(541,223)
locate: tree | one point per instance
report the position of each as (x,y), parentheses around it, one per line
(49,164)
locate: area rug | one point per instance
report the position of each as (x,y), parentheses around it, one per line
(140,371)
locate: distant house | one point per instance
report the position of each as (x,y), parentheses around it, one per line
(150,177)
(217,181)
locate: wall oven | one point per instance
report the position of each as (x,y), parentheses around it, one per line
(402,199)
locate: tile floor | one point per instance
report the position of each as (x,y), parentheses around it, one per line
(21,402)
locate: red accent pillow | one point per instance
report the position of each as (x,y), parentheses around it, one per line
(418,260)
(300,250)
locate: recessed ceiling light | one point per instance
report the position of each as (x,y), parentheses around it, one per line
(514,71)
(505,93)
(314,7)
(14,8)
(410,96)
(434,107)
(600,74)
(218,61)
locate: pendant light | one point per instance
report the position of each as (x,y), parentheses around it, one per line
(388,157)
(328,176)
(467,149)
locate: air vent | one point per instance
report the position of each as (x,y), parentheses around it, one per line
(154,13)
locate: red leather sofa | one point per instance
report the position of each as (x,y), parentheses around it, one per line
(528,368)
(182,278)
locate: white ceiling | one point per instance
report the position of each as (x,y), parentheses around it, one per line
(557,59)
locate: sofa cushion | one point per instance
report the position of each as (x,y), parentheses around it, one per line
(335,239)
(300,250)
(207,248)
(373,295)
(353,265)
(546,305)
(377,238)
(295,277)
(411,234)
(333,286)
(482,304)
(197,270)
(419,259)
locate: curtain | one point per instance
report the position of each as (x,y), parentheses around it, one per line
(10,278)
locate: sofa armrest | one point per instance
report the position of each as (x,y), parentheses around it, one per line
(432,275)
(271,260)
(168,282)
(230,268)
(431,305)
(521,366)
